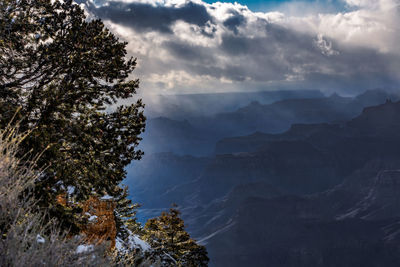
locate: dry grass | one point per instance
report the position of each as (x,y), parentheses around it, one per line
(25,239)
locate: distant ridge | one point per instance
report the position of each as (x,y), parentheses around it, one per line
(182,106)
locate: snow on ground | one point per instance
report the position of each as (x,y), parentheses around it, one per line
(133,242)
(83,248)
(92,218)
(70,189)
(40,239)
(106,197)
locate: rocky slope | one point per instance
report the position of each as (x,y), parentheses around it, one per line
(355,223)
(322,194)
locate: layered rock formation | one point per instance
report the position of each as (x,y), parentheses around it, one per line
(100,223)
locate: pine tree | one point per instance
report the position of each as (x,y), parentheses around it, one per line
(126,215)
(62,71)
(167,236)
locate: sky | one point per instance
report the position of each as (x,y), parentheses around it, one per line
(284,5)
(192,46)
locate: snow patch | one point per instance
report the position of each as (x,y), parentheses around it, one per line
(40,239)
(106,197)
(92,218)
(70,189)
(83,248)
(133,241)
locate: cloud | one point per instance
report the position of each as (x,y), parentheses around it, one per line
(144,16)
(233,22)
(188,46)
(325,46)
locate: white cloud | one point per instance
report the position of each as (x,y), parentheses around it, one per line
(325,46)
(373,4)
(185,45)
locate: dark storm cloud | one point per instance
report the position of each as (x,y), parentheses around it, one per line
(274,56)
(234,22)
(146,17)
(282,54)
(188,52)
